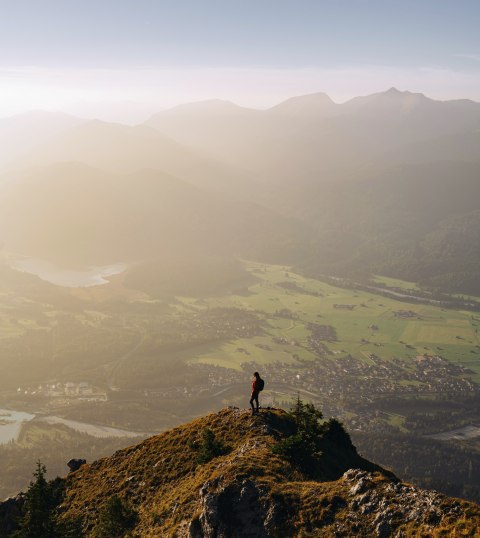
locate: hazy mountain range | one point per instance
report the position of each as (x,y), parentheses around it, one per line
(385,183)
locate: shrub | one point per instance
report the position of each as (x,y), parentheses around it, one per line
(209,448)
(115,519)
(297,450)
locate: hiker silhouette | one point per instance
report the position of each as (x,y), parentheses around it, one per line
(257,386)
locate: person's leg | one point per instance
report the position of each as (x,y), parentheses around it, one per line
(251,403)
(256,401)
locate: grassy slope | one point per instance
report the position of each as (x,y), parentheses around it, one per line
(161,480)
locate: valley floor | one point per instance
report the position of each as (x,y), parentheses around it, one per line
(122,358)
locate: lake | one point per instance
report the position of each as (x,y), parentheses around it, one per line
(69,278)
(11,423)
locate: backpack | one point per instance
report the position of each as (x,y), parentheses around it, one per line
(260,384)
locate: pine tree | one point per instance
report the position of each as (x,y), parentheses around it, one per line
(307,419)
(38,520)
(303,447)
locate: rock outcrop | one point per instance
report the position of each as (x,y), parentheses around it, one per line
(366,505)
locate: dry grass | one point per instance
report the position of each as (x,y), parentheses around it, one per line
(161,479)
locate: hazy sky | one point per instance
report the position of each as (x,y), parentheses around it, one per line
(125,58)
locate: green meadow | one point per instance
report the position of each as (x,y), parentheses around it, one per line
(365,323)
(395,283)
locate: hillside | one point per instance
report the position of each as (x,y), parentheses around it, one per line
(242,489)
(117,148)
(20,134)
(415,222)
(79,215)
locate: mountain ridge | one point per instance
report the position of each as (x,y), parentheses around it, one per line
(246,489)
(314,137)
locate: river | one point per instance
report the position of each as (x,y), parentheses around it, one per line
(11,423)
(92,429)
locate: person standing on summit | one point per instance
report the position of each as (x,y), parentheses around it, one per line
(257,386)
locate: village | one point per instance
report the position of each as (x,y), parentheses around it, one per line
(67,392)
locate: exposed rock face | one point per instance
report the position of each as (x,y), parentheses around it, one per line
(237,506)
(10,510)
(388,505)
(373,507)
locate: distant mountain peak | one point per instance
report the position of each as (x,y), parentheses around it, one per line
(391,98)
(205,108)
(305,104)
(395,91)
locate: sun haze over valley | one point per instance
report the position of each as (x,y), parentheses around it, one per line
(195,196)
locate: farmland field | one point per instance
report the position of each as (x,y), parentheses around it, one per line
(365,323)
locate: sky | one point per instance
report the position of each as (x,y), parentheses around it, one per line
(125,59)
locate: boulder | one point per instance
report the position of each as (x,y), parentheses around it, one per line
(75,464)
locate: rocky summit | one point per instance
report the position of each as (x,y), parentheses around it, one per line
(231,474)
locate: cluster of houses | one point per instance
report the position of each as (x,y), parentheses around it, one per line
(405,314)
(344,306)
(348,376)
(56,390)
(221,323)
